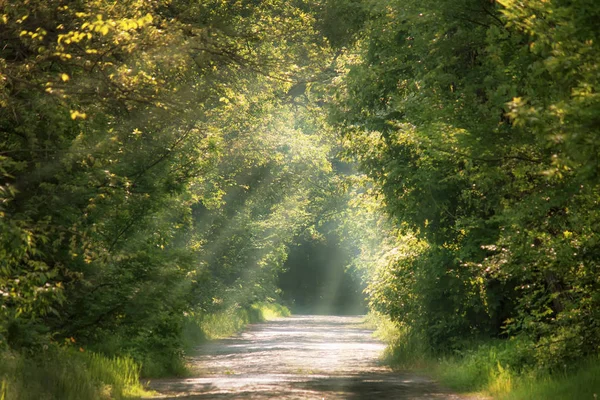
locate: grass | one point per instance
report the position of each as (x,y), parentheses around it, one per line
(67,374)
(487,369)
(268,311)
(404,350)
(61,373)
(501,369)
(583,383)
(200,328)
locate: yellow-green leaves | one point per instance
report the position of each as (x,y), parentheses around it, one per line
(77,115)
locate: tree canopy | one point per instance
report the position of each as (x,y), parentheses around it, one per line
(478,122)
(163,158)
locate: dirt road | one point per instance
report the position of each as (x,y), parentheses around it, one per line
(300,357)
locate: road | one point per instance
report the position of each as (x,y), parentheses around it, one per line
(299,357)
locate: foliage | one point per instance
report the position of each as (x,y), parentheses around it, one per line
(472,117)
(147,167)
(158,160)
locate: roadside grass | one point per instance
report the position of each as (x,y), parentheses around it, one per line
(474,374)
(269,311)
(61,373)
(201,327)
(403,351)
(68,374)
(500,369)
(583,383)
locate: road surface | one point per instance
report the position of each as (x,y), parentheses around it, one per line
(299,357)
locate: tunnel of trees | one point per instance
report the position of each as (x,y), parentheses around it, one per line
(175,158)
(315,279)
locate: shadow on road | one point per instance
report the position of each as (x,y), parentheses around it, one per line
(355,387)
(301,357)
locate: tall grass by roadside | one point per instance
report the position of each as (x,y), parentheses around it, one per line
(485,369)
(268,311)
(502,369)
(404,350)
(68,374)
(201,327)
(582,383)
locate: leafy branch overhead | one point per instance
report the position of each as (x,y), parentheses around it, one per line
(161,161)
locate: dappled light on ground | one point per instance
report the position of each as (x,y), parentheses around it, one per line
(301,357)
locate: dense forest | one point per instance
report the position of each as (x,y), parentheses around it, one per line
(166,161)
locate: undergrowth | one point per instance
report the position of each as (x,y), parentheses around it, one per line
(502,369)
(202,327)
(68,374)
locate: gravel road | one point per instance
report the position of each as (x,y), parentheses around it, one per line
(299,357)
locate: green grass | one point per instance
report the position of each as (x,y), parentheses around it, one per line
(268,311)
(582,383)
(67,374)
(199,328)
(501,369)
(488,369)
(404,350)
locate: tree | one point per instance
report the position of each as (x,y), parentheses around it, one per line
(463,113)
(117,126)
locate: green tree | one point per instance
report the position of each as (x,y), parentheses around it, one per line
(119,122)
(473,118)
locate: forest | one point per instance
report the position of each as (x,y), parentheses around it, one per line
(169,164)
